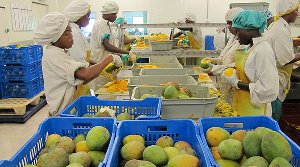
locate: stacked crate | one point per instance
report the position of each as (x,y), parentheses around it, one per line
(21,71)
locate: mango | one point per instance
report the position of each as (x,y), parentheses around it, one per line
(81,157)
(97,157)
(80,137)
(227,163)
(146,164)
(275,145)
(51,139)
(215,153)
(243,159)
(81,146)
(75,165)
(57,157)
(155,154)
(252,144)
(41,160)
(123,116)
(87,115)
(238,135)
(189,151)
(280,162)
(165,141)
(231,149)
(255,161)
(215,135)
(64,142)
(139,163)
(148,95)
(185,91)
(182,144)
(171,93)
(262,130)
(29,166)
(130,138)
(171,152)
(97,138)
(132,150)
(184,160)
(44,151)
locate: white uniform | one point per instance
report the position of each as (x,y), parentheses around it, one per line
(80,47)
(259,67)
(59,76)
(100,28)
(219,41)
(227,55)
(282,45)
(197,33)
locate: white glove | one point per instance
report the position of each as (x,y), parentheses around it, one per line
(132,57)
(232,80)
(218,69)
(117,61)
(208,70)
(206,58)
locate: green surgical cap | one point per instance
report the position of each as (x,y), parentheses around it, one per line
(250,19)
(119,20)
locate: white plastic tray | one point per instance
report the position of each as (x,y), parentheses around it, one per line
(170,71)
(136,71)
(163,59)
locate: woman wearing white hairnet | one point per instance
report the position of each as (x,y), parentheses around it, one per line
(254,83)
(61,73)
(102,40)
(194,34)
(78,13)
(279,37)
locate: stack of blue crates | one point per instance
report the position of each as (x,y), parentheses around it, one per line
(209,42)
(21,71)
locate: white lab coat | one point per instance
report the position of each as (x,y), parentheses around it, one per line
(227,55)
(260,68)
(59,76)
(80,47)
(279,37)
(219,41)
(197,33)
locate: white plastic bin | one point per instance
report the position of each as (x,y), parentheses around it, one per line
(136,71)
(163,59)
(170,71)
(200,106)
(162,45)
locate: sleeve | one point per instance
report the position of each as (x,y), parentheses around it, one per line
(73,67)
(78,50)
(283,47)
(265,87)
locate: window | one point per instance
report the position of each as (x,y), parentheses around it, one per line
(88,29)
(137,17)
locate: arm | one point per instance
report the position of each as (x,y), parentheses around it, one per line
(90,73)
(112,48)
(93,62)
(127,41)
(177,34)
(243,86)
(297,58)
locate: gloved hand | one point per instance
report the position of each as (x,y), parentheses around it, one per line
(213,60)
(232,80)
(218,69)
(207,70)
(132,57)
(117,61)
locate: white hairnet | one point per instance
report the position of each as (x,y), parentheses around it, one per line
(232,12)
(285,7)
(76,10)
(190,16)
(50,28)
(110,7)
(181,21)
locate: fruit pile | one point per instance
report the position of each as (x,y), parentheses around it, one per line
(157,36)
(147,66)
(83,151)
(163,153)
(116,86)
(223,109)
(261,147)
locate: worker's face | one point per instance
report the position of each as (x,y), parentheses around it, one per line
(66,40)
(231,30)
(84,21)
(111,17)
(244,36)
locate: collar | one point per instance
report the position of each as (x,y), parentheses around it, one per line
(74,25)
(286,24)
(257,40)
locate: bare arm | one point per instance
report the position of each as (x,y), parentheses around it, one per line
(177,34)
(297,58)
(243,86)
(93,62)
(90,73)
(127,41)
(112,48)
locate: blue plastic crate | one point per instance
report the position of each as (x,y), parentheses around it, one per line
(209,42)
(70,127)
(41,83)
(150,106)
(18,72)
(232,124)
(23,55)
(20,89)
(151,130)
(38,51)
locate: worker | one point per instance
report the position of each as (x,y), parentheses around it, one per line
(279,37)
(61,73)
(254,83)
(226,58)
(194,34)
(78,13)
(128,40)
(219,39)
(103,42)
(269,16)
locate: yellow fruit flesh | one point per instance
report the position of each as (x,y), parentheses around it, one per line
(228,72)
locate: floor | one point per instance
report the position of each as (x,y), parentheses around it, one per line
(14,135)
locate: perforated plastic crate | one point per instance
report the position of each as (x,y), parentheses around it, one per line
(23,55)
(38,51)
(151,130)
(232,124)
(18,72)
(70,127)
(20,89)
(90,104)
(41,83)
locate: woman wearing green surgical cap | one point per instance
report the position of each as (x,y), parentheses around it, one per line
(279,37)
(254,83)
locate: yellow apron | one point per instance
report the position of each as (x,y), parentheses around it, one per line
(81,89)
(241,98)
(127,46)
(193,42)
